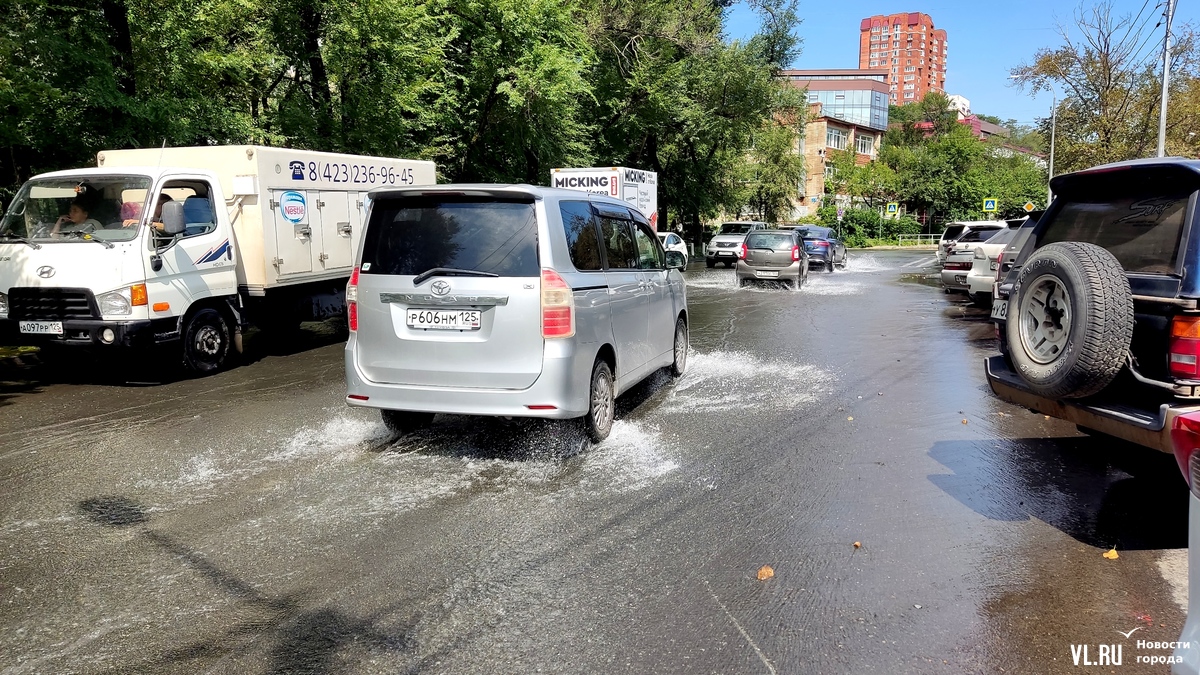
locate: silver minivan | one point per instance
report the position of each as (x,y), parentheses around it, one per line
(508,300)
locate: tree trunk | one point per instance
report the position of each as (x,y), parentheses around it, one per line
(312,27)
(116,15)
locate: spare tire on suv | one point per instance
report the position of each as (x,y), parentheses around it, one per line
(1070,320)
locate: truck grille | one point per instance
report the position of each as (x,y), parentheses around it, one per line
(40,304)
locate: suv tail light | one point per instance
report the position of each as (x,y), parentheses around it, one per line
(1185,441)
(352,300)
(795,254)
(999,264)
(742,251)
(1184,347)
(957,266)
(558,306)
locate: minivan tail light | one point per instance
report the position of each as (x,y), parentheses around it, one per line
(352,300)
(795,253)
(1185,441)
(1184,347)
(558,306)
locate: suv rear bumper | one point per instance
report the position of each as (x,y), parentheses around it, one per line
(563,383)
(1147,427)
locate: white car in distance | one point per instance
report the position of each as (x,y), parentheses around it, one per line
(982,276)
(671,241)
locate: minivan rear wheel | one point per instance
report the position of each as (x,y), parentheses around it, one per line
(602,404)
(681,348)
(401,422)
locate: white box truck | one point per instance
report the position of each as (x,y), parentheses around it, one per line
(638,188)
(186,246)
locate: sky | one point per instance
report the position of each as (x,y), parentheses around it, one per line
(985,40)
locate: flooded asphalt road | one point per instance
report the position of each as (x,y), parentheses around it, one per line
(249,522)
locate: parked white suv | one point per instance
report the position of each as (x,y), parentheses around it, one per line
(516,301)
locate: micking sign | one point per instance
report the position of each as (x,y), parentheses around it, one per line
(561,181)
(605,183)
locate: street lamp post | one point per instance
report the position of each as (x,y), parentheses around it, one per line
(1050,173)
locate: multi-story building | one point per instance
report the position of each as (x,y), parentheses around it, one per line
(848,111)
(911,50)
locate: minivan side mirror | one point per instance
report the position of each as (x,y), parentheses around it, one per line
(172,218)
(676,261)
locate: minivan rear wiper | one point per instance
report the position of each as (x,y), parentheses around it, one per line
(449,272)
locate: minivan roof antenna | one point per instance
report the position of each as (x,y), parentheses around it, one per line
(162,151)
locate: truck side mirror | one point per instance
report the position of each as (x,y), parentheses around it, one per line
(172,218)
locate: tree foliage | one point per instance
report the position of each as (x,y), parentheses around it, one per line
(492,90)
(1108,84)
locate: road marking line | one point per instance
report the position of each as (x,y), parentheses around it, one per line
(921,262)
(762,657)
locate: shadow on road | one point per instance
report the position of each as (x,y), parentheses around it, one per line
(303,639)
(1101,492)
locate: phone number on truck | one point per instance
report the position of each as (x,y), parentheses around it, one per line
(333,172)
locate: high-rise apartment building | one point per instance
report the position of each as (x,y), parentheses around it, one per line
(910,49)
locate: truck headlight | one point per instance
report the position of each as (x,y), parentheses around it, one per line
(115,303)
(4,304)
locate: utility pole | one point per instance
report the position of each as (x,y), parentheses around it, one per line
(1053,127)
(1162,113)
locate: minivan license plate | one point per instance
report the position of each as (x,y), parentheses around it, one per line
(41,327)
(443,319)
(999,309)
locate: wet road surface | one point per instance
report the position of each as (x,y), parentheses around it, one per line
(249,522)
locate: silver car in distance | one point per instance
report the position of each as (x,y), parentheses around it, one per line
(508,300)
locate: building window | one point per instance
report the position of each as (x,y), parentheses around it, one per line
(910,69)
(909,87)
(812,97)
(835,138)
(829,171)
(864,144)
(910,95)
(909,78)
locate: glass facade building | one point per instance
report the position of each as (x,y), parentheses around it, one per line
(860,107)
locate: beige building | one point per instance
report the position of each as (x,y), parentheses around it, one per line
(823,133)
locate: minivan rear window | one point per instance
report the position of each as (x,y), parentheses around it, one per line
(1142,229)
(407,236)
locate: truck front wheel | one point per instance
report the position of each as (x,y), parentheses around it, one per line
(206,341)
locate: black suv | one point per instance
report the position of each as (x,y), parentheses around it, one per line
(1097,304)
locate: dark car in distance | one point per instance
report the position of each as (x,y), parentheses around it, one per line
(822,246)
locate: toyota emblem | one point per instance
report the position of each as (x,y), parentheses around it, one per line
(440,288)
(45,271)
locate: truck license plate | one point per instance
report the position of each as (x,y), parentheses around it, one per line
(41,327)
(443,319)
(999,309)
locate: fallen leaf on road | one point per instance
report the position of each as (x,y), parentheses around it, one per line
(916,607)
(858,544)
(765,572)
(1046,416)
(964,421)
(849,419)
(1111,555)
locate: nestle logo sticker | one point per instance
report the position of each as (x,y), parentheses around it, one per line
(292,206)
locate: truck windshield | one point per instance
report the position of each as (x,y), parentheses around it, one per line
(108,208)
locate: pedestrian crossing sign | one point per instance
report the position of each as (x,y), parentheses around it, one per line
(989,205)
(893,208)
